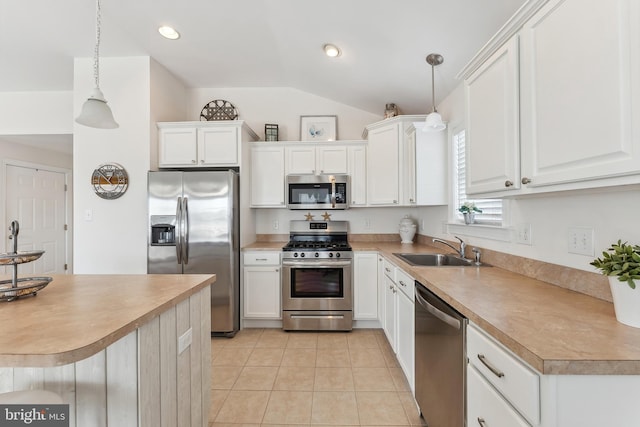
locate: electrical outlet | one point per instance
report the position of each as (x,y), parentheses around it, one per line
(184,341)
(276,224)
(523,234)
(580,240)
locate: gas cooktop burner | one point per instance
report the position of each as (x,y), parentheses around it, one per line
(326,239)
(326,246)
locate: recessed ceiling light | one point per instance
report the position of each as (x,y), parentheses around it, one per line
(168,32)
(331,50)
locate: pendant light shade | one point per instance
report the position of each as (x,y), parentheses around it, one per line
(95,112)
(434,122)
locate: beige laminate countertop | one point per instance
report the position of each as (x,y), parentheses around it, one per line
(555,330)
(76,316)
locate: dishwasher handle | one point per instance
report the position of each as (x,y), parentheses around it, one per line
(449,320)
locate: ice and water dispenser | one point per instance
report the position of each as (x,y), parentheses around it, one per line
(163,230)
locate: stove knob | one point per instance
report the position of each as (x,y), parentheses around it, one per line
(302,255)
(330,254)
(337,254)
(317,255)
(295,254)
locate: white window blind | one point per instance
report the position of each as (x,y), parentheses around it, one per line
(491,208)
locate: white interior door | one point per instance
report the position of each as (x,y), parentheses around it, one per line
(36,199)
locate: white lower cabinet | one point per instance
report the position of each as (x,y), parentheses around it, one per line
(261,285)
(405,336)
(399,317)
(486,407)
(502,390)
(389,323)
(365,286)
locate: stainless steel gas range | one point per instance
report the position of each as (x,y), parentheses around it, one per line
(317,289)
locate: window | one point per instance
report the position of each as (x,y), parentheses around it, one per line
(491,208)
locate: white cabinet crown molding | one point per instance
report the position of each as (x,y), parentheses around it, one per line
(509,29)
(402,118)
(213,123)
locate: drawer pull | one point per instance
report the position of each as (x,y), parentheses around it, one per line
(387,270)
(481,422)
(402,283)
(496,372)
(261,259)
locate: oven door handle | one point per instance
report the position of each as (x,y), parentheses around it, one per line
(316,264)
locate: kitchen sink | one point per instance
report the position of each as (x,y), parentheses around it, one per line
(435,260)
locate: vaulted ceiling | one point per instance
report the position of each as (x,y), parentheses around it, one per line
(259,43)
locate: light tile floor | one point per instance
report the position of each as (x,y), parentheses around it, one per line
(268,377)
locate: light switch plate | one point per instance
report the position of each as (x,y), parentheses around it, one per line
(580,240)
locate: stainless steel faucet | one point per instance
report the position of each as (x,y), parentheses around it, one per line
(460,251)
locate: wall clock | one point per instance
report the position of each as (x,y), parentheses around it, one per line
(109,181)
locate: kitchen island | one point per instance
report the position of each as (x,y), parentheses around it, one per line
(121,350)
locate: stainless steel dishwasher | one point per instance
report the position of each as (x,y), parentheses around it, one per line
(440,346)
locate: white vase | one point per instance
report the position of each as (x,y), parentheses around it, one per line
(407,230)
(626,302)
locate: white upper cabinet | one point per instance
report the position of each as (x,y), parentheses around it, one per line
(267,176)
(426,164)
(202,144)
(383,165)
(492,115)
(405,166)
(553,100)
(357,171)
(316,159)
(580,88)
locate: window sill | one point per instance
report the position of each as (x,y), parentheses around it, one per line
(484,231)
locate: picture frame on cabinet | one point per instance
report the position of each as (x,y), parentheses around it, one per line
(318,128)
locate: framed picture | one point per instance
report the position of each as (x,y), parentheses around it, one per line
(318,128)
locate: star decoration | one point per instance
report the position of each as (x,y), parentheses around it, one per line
(308,216)
(326,216)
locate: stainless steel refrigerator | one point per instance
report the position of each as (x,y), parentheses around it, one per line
(193,229)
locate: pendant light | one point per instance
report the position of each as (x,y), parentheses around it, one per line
(434,122)
(95,112)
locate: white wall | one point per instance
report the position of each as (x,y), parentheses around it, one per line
(115,240)
(380,220)
(283,106)
(36,113)
(612,213)
(168,104)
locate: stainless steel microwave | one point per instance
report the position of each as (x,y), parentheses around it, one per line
(317,191)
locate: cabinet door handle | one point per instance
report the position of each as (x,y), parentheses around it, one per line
(193,161)
(482,422)
(525,180)
(277,269)
(387,270)
(402,283)
(391,287)
(395,202)
(508,183)
(498,373)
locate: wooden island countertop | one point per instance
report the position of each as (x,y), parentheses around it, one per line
(77,316)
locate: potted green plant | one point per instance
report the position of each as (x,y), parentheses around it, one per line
(621,264)
(468,210)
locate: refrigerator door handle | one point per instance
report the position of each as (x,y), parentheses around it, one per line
(179,230)
(185,224)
